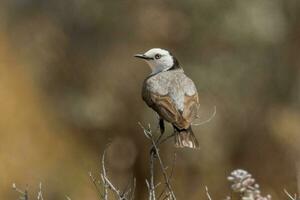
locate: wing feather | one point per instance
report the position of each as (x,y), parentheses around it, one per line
(166,106)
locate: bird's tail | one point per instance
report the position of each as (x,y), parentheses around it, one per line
(185,138)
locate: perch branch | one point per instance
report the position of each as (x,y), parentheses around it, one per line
(152,187)
(149,135)
(170,176)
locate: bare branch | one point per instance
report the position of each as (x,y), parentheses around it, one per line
(149,189)
(40,193)
(105,185)
(94,181)
(24,194)
(170,176)
(165,139)
(289,195)
(207,193)
(155,154)
(128,192)
(147,132)
(133,189)
(68,198)
(167,180)
(152,187)
(112,187)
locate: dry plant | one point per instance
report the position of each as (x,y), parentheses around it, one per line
(24,193)
(290,196)
(242,182)
(245,185)
(167,192)
(104,186)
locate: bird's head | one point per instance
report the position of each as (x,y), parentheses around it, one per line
(159,60)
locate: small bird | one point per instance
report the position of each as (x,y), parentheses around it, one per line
(173,95)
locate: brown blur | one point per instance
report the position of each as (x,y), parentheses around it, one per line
(69,85)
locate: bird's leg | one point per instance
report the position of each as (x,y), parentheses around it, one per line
(153,151)
(162,130)
(166,138)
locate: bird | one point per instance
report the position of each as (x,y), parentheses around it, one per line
(172,95)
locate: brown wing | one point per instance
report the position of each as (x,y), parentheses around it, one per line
(166,108)
(191,108)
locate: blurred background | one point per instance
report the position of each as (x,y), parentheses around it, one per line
(69,85)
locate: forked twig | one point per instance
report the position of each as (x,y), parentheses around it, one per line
(127,194)
(149,190)
(167,181)
(40,193)
(170,176)
(149,135)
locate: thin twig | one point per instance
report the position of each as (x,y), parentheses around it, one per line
(167,181)
(149,189)
(112,187)
(149,135)
(170,176)
(173,165)
(207,193)
(105,195)
(40,193)
(152,187)
(165,139)
(14,186)
(289,195)
(133,189)
(24,194)
(208,120)
(94,181)
(298,175)
(67,197)
(128,192)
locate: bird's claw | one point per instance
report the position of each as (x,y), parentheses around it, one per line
(153,152)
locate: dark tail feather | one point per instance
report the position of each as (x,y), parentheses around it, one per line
(185,138)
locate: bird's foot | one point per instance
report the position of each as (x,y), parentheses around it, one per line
(153,152)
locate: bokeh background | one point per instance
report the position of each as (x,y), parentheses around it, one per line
(69,85)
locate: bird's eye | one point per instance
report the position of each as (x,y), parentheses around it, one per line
(157,56)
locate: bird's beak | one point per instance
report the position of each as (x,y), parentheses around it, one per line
(142,56)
